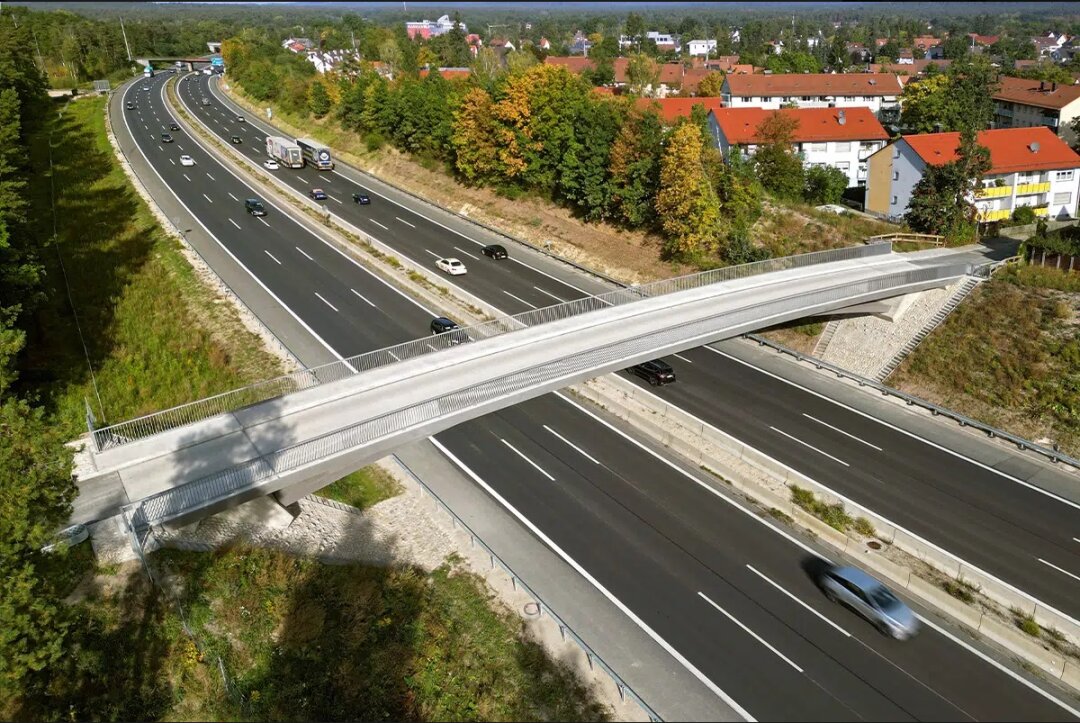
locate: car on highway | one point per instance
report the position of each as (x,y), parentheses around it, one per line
(270,164)
(166,138)
(361,198)
(455,334)
(861,592)
(236,140)
(655,372)
(255,207)
(318,194)
(186,160)
(206,101)
(130,105)
(174,126)
(240,119)
(495,251)
(451,266)
(146,87)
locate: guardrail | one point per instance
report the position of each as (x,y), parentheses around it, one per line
(919,238)
(124,432)
(173,503)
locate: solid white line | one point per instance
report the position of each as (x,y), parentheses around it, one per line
(210,177)
(385,228)
(304,253)
(846,434)
(263,221)
(680,356)
(519,299)
(593,581)
(561,301)
(208,198)
(410,225)
(428,250)
(796,439)
(534,464)
(365,299)
(185,176)
(750,632)
(233,197)
(1065,572)
(234,223)
(271,256)
(332,198)
(300,178)
(580,451)
(467,253)
(325,301)
(790,595)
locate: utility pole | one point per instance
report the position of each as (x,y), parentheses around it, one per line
(126,46)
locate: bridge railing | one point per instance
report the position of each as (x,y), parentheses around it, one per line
(172,503)
(146,426)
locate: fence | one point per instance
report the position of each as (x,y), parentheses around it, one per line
(918,238)
(151,424)
(204,491)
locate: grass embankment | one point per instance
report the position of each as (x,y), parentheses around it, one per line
(363,488)
(302,641)
(1008,356)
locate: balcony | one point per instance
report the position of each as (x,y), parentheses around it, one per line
(994,215)
(1041,210)
(1026,189)
(994,192)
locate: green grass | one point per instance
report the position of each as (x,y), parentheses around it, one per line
(961,590)
(155,335)
(363,488)
(832,515)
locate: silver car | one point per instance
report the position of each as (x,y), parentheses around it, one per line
(852,587)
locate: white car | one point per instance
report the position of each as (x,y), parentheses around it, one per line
(270,164)
(146,87)
(451,266)
(240,119)
(186,160)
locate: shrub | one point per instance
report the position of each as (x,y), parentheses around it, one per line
(864,526)
(1023,216)
(374,142)
(961,590)
(824,184)
(1029,626)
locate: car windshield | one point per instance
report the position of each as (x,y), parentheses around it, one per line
(883,599)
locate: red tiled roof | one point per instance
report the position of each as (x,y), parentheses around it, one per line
(815,124)
(984,39)
(448,73)
(1027,92)
(925,42)
(794,84)
(603,90)
(1010,149)
(692,78)
(574,63)
(671,74)
(671,109)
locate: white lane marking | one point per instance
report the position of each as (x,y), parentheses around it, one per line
(680,356)
(210,177)
(792,596)
(208,198)
(146,126)
(430,252)
(846,434)
(410,225)
(234,223)
(1076,539)
(466,253)
(172,161)
(899,429)
(385,228)
(750,632)
(304,253)
(257,150)
(796,439)
(519,299)
(326,180)
(332,198)
(325,301)
(186,176)
(561,301)
(271,256)
(179,146)
(300,178)
(595,583)
(233,197)
(365,299)
(263,221)
(534,464)
(161,148)
(258,137)
(1065,572)
(580,451)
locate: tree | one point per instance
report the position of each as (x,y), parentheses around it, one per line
(739,194)
(942,202)
(956,47)
(390,53)
(642,72)
(962,97)
(635,29)
(686,202)
(486,69)
(634,173)
(792,62)
(824,184)
(476,139)
(318,100)
(711,85)
(583,169)
(778,168)
(924,104)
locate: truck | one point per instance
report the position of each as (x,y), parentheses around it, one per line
(316,154)
(284,152)
(148,71)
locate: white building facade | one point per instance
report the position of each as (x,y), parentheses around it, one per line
(876,91)
(701,47)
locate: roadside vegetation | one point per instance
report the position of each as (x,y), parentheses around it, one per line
(363,488)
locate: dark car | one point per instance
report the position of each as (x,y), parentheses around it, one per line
(255,207)
(442,325)
(361,198)
(495,251)
(130,105)
(236,140)
(655,372)
(166,138)
(318,194)
(174,126)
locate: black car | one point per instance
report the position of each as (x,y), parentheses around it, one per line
(361,198)
(236,140)
(174,126)
(495,251)
(255,207)
(442,325)
(130,105)
(318,194)
(655,372)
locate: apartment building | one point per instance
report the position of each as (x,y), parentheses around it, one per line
(1023,103)
(880,92)
(1028,167)
(840,137)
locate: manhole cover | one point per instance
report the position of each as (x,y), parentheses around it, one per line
(874,545)
(532,609)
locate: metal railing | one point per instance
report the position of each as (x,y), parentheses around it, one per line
(173,503)
(919,238)
(121,433)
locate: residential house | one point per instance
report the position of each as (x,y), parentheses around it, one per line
(925,43)
(880,92)
(1028,167)
(984,41)
(672,76)
(906,71)
(448,73)
(330,60)
(776,46)
(427,29)
(671,110)
(575,64)
(736,36)
(665,42)
(857,52)
(721,62)
(905,57)
(497,43)
(580,44)
(1023,103)
(700,47)
(297,45)
(545,44)
(839,137)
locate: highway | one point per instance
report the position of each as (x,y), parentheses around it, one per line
(724,589)
(1018,533)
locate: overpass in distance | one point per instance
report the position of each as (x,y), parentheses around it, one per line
(296,434)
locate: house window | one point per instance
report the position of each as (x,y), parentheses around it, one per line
(896,175)
(844,166)
(816,147)
(1063,175)
(896,152)
(894,200)
(843,146)
(1063,199)
(805,99)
